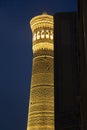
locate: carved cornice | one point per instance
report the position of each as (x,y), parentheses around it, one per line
(44,52)
(43,45)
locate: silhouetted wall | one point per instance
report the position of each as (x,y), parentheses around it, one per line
(66,72)
(82,39)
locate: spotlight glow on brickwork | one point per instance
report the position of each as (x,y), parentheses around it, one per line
(41,104)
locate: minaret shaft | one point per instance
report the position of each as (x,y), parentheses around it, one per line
(41,105)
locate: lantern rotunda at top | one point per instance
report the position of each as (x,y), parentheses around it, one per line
(43,20)
(42,31)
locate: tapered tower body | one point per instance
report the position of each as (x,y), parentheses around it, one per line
(41,104)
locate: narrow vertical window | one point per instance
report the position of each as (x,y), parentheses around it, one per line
(42,34)
(47,33)
(51,35)
(38,35)
(34,36)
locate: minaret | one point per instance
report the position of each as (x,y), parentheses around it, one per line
(41,105)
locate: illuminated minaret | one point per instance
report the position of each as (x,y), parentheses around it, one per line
(41,105)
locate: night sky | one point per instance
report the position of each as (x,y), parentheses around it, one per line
(16,55)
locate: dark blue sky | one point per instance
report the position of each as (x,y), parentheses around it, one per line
(16,55)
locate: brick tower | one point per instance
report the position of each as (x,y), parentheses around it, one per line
(41,104)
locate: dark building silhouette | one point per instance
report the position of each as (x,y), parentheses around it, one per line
(66,72)
(82,40)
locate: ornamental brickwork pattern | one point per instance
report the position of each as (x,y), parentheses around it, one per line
(41,104)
